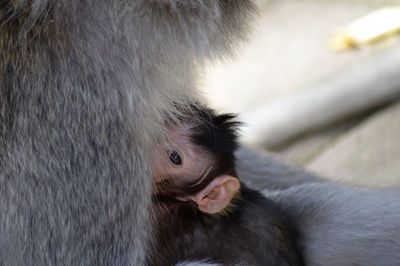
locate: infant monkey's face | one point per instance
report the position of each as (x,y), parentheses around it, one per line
(181,164)
(179,161)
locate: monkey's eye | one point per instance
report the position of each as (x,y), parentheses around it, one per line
(174,157)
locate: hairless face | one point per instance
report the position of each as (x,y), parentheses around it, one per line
(179,161)
(196,161)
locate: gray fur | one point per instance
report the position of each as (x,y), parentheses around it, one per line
(197,263)
(342,225)
(84,85)
(338,225)
(261,170)
(203,263)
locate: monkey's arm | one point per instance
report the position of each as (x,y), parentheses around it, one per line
(263,171)
(343,225)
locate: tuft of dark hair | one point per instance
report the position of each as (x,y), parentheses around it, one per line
(215,133)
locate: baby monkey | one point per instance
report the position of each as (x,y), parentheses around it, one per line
(202,210)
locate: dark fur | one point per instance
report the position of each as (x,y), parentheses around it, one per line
(315,224)
(251,231)
(84,86)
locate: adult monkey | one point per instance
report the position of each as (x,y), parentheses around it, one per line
(83,88)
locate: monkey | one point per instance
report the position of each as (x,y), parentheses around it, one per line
(84,87)
(204,211)
(324,223)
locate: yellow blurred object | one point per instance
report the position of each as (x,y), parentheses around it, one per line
(380,24)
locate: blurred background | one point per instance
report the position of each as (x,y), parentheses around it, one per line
(311,101)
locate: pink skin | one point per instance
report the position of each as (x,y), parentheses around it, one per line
(195,165)
(195,162)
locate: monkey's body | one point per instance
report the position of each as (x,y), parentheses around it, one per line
(252,231)
(326,225)
(318,224)
(342,225)
(84,86)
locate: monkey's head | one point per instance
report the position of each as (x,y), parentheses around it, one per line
(196,162)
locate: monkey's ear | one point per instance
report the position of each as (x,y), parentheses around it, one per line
(217,195)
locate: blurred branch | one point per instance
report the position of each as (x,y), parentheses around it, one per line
(356,90)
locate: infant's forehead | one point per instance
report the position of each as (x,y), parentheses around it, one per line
(184,132)
(182,137)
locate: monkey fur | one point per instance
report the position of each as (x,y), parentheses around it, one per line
(250,230)
(84,87)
